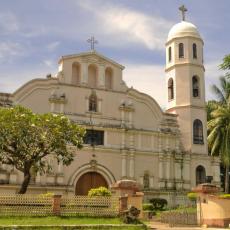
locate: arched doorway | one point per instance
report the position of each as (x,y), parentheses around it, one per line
(200,175)
(89,180)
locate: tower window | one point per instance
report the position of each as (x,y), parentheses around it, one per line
(198,132)
(75,73)
(93,103)
(108,78)
(195,86)
(94,137)
(181,50)
(92,76)
(194,51)
(200,175)
(170,53)
(170,89)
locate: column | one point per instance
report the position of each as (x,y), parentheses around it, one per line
(168,171)
(123,139)
(105,138)
(60,167)
(122,118)
(123,164)
(38,178)
(62,105)
(52,107)
(86,104)
(101,76)
(178,173)
(130,119)
(84,73)
(159,143)
(186,172)
(161,171)
(131,165)
(99,105)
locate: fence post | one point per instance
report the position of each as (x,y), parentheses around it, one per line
(56,205)
(123,203)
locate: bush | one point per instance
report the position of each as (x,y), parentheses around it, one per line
(148,207)
(158,203)
(225,196)
(192,196)
(101,191)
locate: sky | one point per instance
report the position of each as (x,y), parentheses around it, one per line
(35,34)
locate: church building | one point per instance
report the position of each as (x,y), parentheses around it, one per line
(128,136)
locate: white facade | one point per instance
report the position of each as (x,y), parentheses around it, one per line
(139,140)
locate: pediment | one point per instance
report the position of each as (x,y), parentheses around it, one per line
(92,57)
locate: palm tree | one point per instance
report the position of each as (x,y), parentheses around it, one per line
(219,137)
(219,125)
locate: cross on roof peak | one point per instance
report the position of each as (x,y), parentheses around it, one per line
(183,9)
(92,42)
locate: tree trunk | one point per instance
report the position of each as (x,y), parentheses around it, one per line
(25,183)
(226,179)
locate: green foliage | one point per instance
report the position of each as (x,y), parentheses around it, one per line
(192,196)
(158,203)
(225,196)
(27,139)
(226,63)
(101,191)
(148,207)
(46,195)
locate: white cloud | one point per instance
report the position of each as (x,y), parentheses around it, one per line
(9,50)
(212,75)
(49,63)
(127,25)
(53,45)
(148,79)
(8,23)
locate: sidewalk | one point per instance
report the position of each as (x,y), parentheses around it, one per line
(162,226)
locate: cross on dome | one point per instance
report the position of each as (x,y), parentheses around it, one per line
(183,9)
(92,42)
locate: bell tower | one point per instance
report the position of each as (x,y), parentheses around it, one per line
(186,84)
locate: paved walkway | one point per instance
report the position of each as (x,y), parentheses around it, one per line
(162,226)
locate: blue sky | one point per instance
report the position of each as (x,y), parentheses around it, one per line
(34,34)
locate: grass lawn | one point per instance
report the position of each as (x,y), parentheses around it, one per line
(54,220)
(60,221)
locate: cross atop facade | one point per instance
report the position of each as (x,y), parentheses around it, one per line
(92,42)
(183,9)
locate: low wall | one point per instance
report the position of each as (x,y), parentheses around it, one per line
(214,211)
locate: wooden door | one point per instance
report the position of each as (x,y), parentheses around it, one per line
(89,180)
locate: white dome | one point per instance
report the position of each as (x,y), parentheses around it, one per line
(183,29)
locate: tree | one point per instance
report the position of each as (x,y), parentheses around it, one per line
(27,139)
(219,121)
(219,137)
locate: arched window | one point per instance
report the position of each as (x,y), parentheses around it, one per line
(146,180)
(200,175)
(170,89)
(195,86)
(198,132)
(93,102)
(194,50)
(75,73)
(108,78)
(92,76)
(181,50)
(170,53)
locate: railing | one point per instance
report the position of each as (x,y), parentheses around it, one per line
(37,205)
(89,206)
(25,205)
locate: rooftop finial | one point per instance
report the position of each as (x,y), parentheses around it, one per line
(92,42)
(183,9)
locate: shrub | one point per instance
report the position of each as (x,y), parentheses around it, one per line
(101,191)
(158,203)
(192,196)
(148,207)
(225,196)
(46,195)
